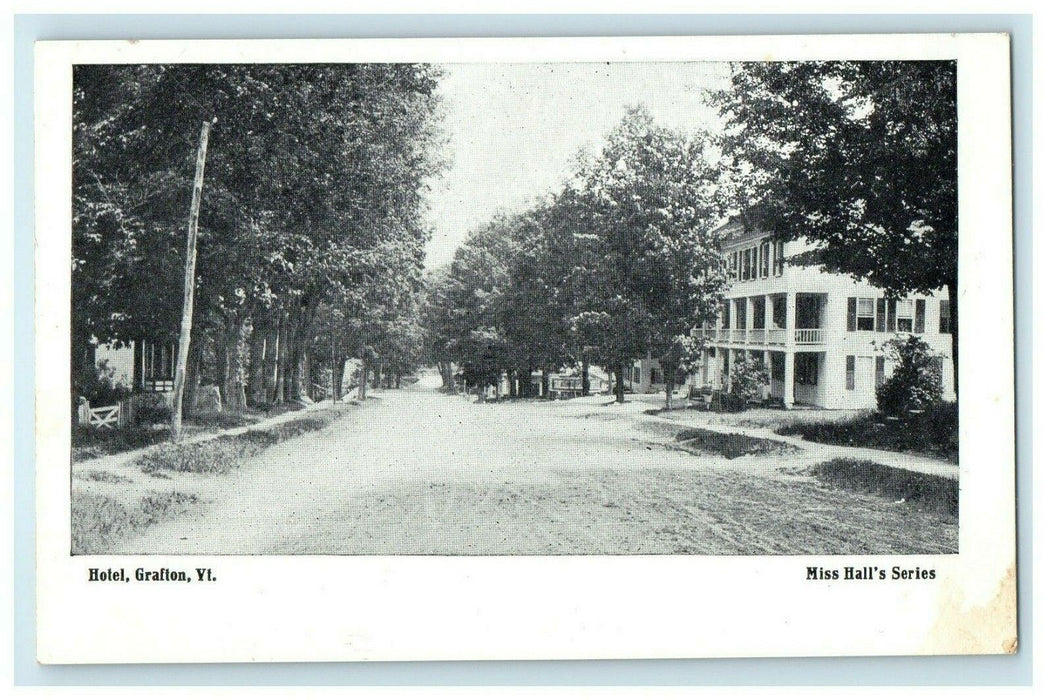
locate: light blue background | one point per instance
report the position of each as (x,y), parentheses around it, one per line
(863,671)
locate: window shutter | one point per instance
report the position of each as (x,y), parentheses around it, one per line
(920,315)
(851,315)
(891,315)
(850,372)
(880,315)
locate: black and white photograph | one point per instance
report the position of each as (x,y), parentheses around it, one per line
(691,308)
(521,308)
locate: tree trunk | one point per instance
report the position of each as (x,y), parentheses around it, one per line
(281,352)
(585,374)
(953,328)
(271,359)
(620,387)
(362,378)
(545,381)
(257,353)
(669,392)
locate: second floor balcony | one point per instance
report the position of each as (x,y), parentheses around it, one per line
(762,336)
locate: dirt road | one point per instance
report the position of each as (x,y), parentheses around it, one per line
(419,472)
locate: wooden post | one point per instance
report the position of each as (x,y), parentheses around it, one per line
(188,285)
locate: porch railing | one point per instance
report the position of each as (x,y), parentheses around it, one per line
(808,336)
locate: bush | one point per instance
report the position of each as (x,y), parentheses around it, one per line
(915,384)
(934,432)
(748,378)
(99,386)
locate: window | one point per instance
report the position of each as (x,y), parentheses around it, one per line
(850,373)
(744,265)
(880,316)
(636,375)
(865,314)
(754,263)
(725,314)
(905,320)
(946,316)
(777,259)
(779,311)
(920,316)
(656,376)
(741,312)
(765,259)
(759,312)
(807,369)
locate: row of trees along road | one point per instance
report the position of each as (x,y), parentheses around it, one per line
(311,237)
(858,158)
(621,260)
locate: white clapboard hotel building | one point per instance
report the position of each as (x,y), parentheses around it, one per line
(818,335)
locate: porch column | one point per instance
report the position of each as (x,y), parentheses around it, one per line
(792,310)
(788,379)
(750,316)
(768,314)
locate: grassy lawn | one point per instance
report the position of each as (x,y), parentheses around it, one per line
(107,506)
(220,455)
(729,445)
(934,433)
(99,519)
(925,492)
(89,442)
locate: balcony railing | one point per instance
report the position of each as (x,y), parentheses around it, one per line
(738,335)
(808,336)
(756,336)
(722,335)
(777,336)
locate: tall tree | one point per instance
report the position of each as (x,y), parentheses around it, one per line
(859,158)
(650,203)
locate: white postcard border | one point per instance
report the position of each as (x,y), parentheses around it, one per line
(308,608)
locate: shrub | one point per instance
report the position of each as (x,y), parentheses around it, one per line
(915,384)
(99,386)
(747,379)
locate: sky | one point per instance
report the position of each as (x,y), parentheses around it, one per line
(514,130)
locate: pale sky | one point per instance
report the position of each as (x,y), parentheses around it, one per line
(515,129)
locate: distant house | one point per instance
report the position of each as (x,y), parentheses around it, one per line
(143,366)
(818,335)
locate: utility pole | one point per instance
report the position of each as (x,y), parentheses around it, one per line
(188,285)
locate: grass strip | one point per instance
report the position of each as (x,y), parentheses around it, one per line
(930,493)
(730,445)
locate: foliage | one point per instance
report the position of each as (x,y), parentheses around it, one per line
(90,442)
(859,158)
(99,386)
(221,454)
(99,520)
(925,492)
(649,205)
(915,383)
(933,433)
(731,445)
(315,182)
(746,380)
